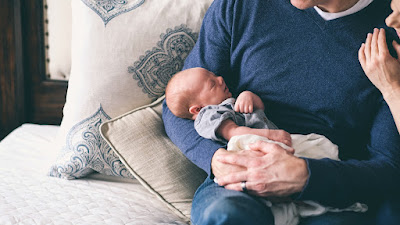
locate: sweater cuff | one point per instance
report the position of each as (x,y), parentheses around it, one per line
(209,148)
(318,187)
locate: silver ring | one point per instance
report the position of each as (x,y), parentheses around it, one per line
(243,184)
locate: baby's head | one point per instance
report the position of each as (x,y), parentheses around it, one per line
(190,90)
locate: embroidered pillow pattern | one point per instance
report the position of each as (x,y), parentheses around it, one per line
(86,151)
(156,67)
(108,9)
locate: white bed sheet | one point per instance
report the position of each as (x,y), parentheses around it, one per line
(29,196)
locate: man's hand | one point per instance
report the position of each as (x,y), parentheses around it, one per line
(247,102)
(221,169)
(274,173)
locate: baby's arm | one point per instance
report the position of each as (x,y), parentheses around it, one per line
(247,101)
(228,129)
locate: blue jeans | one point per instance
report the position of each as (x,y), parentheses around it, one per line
(215,205)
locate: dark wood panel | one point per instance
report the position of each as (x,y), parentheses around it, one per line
(25,93)
(12,111)
(44,98)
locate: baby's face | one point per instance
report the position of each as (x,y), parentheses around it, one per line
(210,89)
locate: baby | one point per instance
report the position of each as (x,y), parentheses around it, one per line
(200,95)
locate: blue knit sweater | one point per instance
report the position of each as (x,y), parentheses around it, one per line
(306,71)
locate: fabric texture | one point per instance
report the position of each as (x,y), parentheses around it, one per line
(123,54)
(28,197)
(139,139)
(307,73)
(210,118)
(311,146)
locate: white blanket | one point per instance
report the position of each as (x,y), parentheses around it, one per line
(309,146)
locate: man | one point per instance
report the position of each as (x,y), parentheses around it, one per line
(300,57)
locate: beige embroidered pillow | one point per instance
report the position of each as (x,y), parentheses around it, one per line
(139,139)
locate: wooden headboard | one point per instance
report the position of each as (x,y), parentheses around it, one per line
(25,93)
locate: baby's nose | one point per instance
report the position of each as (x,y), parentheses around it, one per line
(220,80)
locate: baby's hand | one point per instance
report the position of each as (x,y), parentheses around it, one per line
(245,102)
(279,136)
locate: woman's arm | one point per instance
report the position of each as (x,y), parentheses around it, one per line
(393,102)
(382,69)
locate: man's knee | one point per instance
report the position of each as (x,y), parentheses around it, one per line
(234,210)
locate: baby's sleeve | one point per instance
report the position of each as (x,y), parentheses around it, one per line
(210,118)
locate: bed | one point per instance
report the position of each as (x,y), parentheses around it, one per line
(51,46)
(29,196)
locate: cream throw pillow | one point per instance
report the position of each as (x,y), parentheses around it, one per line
(140,141)
(123,54)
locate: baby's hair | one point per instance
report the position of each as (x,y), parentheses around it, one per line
(179,99)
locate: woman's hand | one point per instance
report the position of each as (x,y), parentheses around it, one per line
(380,67)
(274,173)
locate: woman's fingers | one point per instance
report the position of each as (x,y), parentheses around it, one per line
(382,45)
(361,56)
(368,46)
(374,44)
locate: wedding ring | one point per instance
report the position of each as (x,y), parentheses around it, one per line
(243,184)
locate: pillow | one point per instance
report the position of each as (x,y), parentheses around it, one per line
(123,54)
(139,139)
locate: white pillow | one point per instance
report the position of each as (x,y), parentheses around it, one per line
(123,54)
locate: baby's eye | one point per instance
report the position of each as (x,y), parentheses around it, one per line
(212,84)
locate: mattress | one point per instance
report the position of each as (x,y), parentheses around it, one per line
(29,196)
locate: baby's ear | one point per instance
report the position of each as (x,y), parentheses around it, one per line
(195,109)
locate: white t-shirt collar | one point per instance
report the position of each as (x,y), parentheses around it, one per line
(361,4)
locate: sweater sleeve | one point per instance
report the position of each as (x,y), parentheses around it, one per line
(212,52)
(341,183)
(182,133)
(210,119)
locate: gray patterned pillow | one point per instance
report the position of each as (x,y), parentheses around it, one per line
(123,54)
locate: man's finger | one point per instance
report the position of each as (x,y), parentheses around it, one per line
(234,159)
(234,187)
(233,178)
(266,147)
